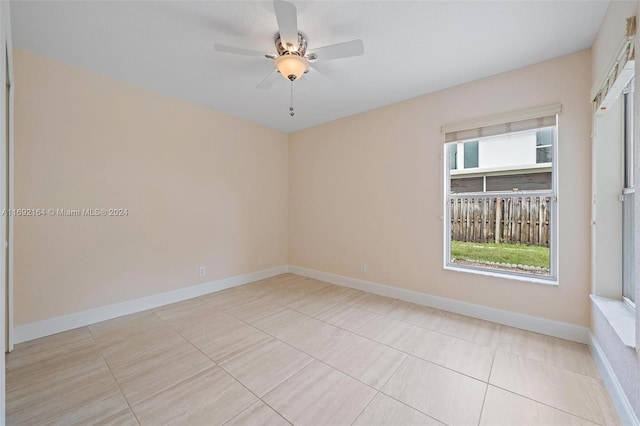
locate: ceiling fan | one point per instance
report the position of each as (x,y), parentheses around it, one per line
(292,59)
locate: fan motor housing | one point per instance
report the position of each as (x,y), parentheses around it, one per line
(300,49)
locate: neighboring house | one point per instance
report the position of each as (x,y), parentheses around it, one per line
(518,161)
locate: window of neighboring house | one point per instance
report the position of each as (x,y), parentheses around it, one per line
(453,156)
(501,216)
(470,154)
(544,146)
(467,184)
(519,182)
(628,201)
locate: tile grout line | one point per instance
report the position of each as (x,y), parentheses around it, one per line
(402,402)
(219,366)
(256,395)
(337,369)
(370,339)
(546,364)
(486,390)
(259,400)
(495,350)
(545,404)
(413,408)
(299,350)
(377,392)
(164,388)
(112,375)
(383,315)
(529,398)
(394,372)
(351,332)
(347,303)
(423,327)
(365,407)
(386,312)
(76,407)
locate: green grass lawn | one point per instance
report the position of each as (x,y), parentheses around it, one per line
(514,254)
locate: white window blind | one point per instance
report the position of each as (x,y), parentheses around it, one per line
(620,72)
(501,124)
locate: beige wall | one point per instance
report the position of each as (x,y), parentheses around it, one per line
(202,188)
(368,189)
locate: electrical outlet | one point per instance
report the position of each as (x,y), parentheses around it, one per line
(363,268)
(259,260)
(203,271)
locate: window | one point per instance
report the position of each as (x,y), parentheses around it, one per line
(470,154)
(519,182)
(471,184)
(544,141)
(501,214)
(453,156)
(628,200)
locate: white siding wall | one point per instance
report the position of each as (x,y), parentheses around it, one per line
(512,150)
(503,151)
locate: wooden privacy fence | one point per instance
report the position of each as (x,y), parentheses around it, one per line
(513,220)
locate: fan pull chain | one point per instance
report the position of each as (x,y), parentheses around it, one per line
(291,105)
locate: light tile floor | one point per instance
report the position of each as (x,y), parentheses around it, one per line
(291,350)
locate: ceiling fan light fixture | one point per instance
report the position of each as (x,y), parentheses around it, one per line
(291,66)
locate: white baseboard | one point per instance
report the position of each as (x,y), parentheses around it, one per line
(51,326)
(620,400)
(549,327)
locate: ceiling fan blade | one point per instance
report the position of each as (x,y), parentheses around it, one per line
(269,80)
(340,50)
(287,17)
(239,51)
(320,75)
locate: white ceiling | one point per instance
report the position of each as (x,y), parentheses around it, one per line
(411,48)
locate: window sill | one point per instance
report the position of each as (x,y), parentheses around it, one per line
(620,317)
(507,276)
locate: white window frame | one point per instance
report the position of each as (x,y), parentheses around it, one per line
(628,189)
(551,279)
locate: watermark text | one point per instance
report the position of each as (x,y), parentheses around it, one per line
(84,212)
